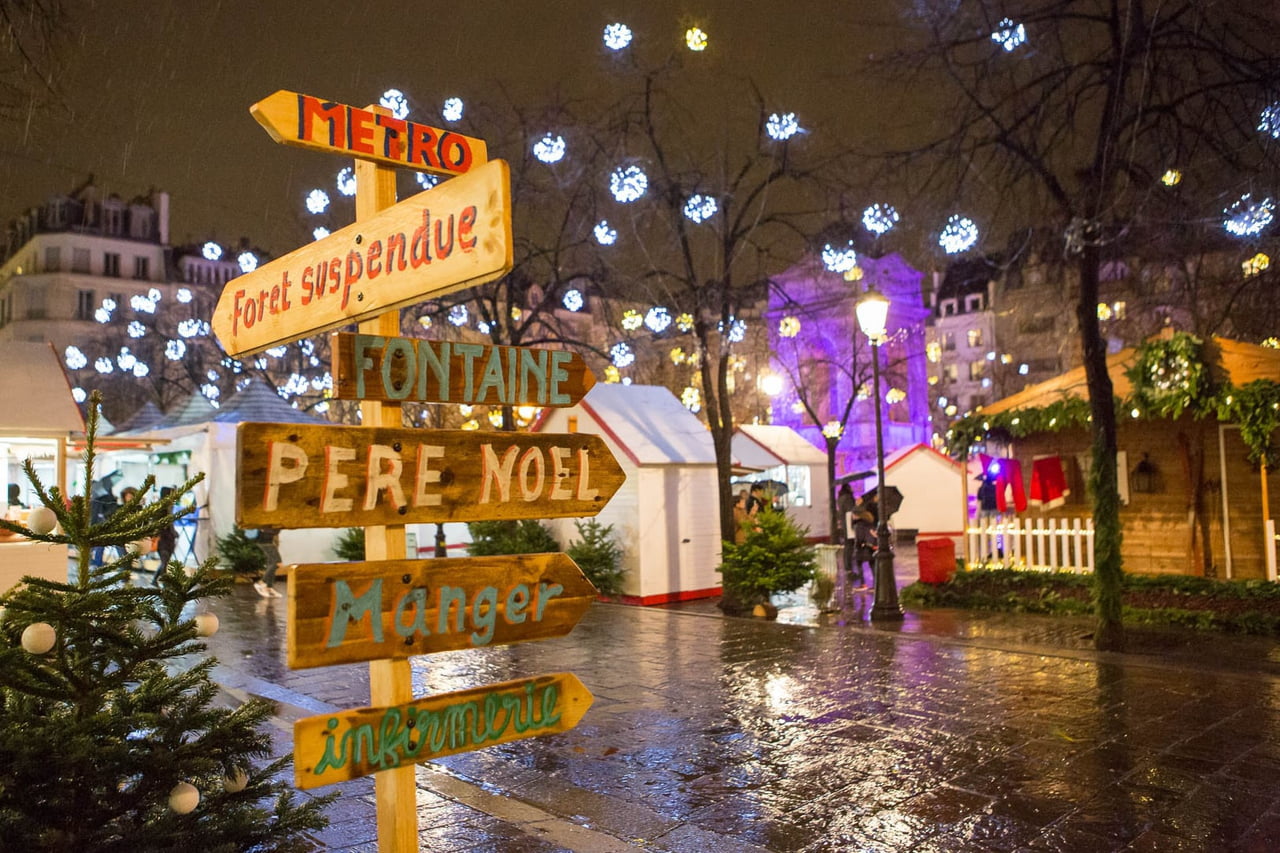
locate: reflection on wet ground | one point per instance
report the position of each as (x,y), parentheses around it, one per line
(707,733)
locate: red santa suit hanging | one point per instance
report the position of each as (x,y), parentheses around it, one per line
(1048,483)
(1008,476)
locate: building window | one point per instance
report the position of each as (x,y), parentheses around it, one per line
(84,305)
(141,267)
(975,338)
(52,259)
(950,373)
(973,302)
(111,264)
(36,303)
(79,260)
(111,219)
(948,308)
(977,369)
(948,341)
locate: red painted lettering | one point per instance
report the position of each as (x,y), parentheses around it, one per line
(355,269)
(308,282)
(444,238)
(455,152)
(422,145)
(360,130)
(373,262)
(335,274)
(395,242)
(420,247)
(393,139)
(466,242)
(312,110)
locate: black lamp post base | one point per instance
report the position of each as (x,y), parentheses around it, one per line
(885,607)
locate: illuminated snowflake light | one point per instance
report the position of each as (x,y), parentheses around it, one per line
(248,261)
(628,184)
(317,201)
(319,232)
(211,375)
(1269,120)
(136,329)
(782,126)
(605,235)
(684,322)
(737,330)
(142,304)
(189,328)
(74,358)
(833,429)
(631,320)
(880,218)
(611,375)
(678,355)
(346,181)
(573,300)
(695,39)
(458,315)
(183,295)
(959,234)
(1009,35)
(103,365)
(839,260)
(427,180)
(103,314)
(789,327)
(482,327)
(155,295)
(211,251)
(1247,218)
(260,363)
(141,370)
(394,100)
(78,394)
(452,109)
(175,349)
(617,36)
(1171,177)
(700,208)
(657,319)
(210,392)
(549,149)
(622,355)
(691,399)
(895,395)
(1257,264)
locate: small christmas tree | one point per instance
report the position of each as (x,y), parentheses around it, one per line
(111,737)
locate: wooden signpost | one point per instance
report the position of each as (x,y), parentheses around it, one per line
(415,370)
(348,612)
(336,747)
(299,475)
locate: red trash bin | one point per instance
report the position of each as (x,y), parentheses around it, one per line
(937,559)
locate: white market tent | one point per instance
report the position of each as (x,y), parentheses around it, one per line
(779,453)
(932,486)
(666,515)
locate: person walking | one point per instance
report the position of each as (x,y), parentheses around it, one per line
(166,541)
(267,541)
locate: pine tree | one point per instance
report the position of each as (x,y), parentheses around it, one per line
(112,732)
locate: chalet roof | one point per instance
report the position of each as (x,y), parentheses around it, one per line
(1229,361)
(649,424)
(782,443)
(145,418)
(257,401)
(33,375)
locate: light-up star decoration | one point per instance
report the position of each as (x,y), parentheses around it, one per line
(839,259)
(879,218)
(1269,120)
(782,126)
(394,100)
(628,184)
(317,201)
(549,149)
(1248,218)
(346,181)
(700,208)
(452,109)
(248,261)
(211,251)
(605,234)
(74,358)
(657,319)
(959,234)
(695,39)
(572,300)
(617,36)
(427,180)
(622,355)
(1009,35)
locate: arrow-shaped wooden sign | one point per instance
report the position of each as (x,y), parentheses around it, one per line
(347,744)
(348,612)
(415,370)
(300,475)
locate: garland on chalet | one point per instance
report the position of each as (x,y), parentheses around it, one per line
(1169,377)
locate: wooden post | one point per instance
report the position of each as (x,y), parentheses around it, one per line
(390,682)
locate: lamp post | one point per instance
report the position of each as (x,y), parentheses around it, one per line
(873,310)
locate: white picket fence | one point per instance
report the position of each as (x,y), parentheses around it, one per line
(1048,544)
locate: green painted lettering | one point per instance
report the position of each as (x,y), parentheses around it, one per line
(546,592)
(438,363)
(417,597)
(517,601)
(347,609)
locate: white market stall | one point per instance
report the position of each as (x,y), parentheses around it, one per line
(932,486)
(666,515)
(780,454)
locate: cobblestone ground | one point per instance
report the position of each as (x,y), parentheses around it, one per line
(711,734)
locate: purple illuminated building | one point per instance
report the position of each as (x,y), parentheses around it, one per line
(823,357)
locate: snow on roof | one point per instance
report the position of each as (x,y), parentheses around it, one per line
(37,393)
(782,442)
(650,424)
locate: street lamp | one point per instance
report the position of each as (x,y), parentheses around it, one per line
(873,310)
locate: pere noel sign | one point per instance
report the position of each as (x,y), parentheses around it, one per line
(298,476)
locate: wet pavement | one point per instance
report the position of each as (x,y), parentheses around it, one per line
(821,732)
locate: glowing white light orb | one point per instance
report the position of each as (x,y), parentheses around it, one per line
(248,261)
(771,384)
(605,235)
(789,327)
(126,359)
(549,149)
(319,232)
(175,349)
(277,352)
(959,234)
(104,365)
(211,251)
(839,259)
(737,330)
(38,638)
(427,180)
(183,295)
(657,319)
(684,322)
(189,328)
(699,208)
(141,369)
(628,184)
(79,394)
(573,300)
(622,355)
(317,201)
(691,398)
(482,327)
(211,375)
(394,100)
(1009,35)
(879,218)
(184,798)
(210,392)
(1269,120)
(142,304)
(452,109)
(782,126)
(1247,218)
(695,39)
(102,315)
(346,181)
(260,363)
(154,295)
(631,320)
(458,315)
(74,358)
(617,36)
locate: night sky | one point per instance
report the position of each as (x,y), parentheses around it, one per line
(157,94)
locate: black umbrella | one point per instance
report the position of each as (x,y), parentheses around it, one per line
(892,499)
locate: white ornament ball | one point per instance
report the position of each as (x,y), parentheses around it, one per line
(184,798)
(206,624)
(41,520)
(236,782)
(39,637)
